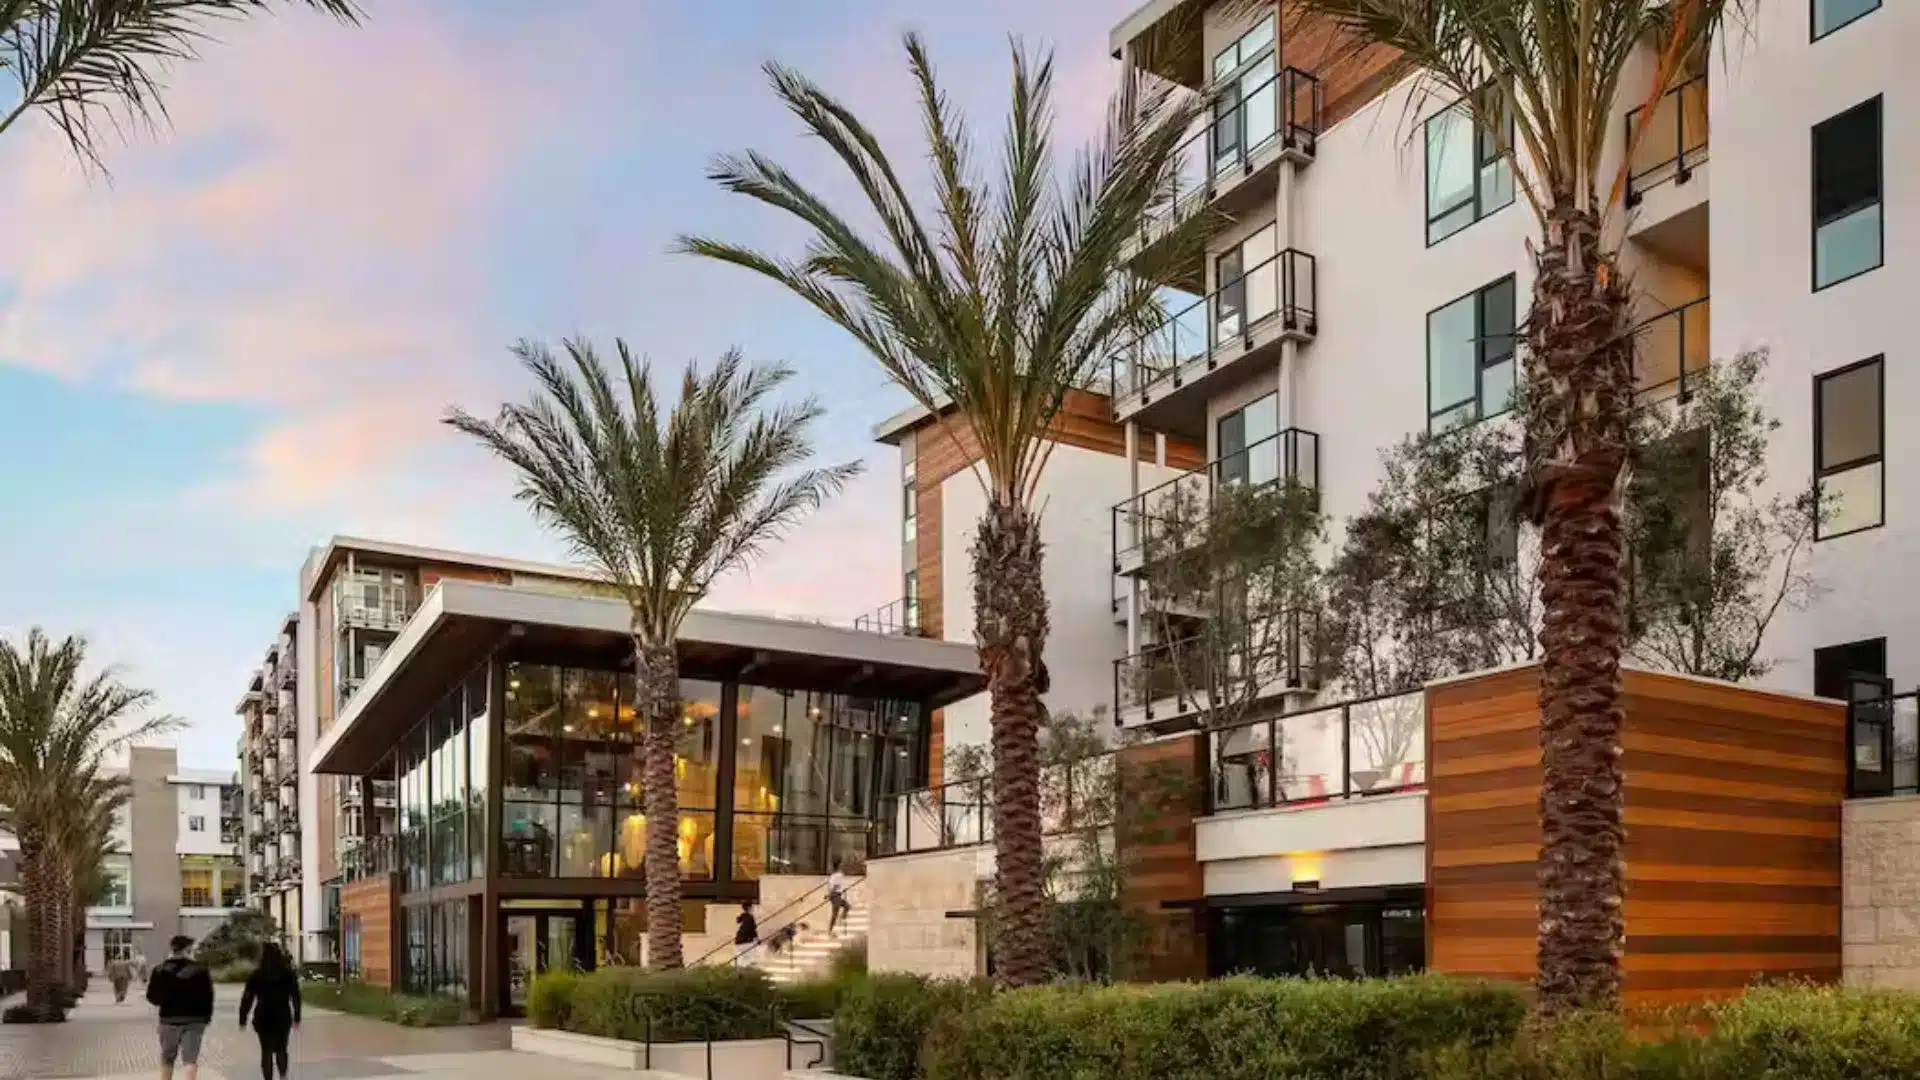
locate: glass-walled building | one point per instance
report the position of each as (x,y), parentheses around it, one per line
(514,749)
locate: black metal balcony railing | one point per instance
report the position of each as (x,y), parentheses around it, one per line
(1357,748)
(1674,142)
(1883,743)
(1195,674)
(1075,796)
(1675,346)
(1284,111)
(899,617)
(1280,290)
(1159,514)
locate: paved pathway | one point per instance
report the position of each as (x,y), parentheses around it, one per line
(103,1040)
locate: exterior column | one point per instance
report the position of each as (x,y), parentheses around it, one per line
(1133,536)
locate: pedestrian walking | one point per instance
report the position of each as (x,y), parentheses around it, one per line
(837,904)
(745,936)
(120,974)
(183,989)
(272,996)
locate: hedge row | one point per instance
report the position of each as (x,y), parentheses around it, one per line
(687,1005)
(407,1010)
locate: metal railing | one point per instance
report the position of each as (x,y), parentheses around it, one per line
(289,724)
(1162,511)
(1883,745)
(389,609)
(959,813)
(1367,747)
(1675,346)
(1282,287)
(1674,142)
(902,616)
(1193,674)
(1284,111)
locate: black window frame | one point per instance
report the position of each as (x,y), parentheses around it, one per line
(1481,211)
(1480,365)
(1878,104)
(1822,470)
(1814,33)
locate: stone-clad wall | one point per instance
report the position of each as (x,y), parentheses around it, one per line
(1880,925)
(910,897)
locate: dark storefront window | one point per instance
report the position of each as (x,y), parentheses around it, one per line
(437,949)
(1338,940)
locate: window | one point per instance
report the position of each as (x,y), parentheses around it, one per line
(1831,15)
(196,886)
(1849,442)
(909,503)
(1245,116)
(1470,357)
(1835,665)
(1247,449)
(118,871)
(199,791)
(1246,285)
(1468,177)
(196,823)
(912,605)
(1848,232)
(116,944)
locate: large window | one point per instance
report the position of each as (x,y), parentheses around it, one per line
(1246,444)
(1247,285)
(1468,174)
(435,818)
(1849,448)
(118,871)
(116,944)
(1346,940)
(1470,357)
(1831,15)
(196,886)
(1245,112)
(1848,229)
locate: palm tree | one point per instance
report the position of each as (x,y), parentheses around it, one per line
(86,64)
(85,839)
(1019,295)
(661,504)
(1554,69)
(56,729)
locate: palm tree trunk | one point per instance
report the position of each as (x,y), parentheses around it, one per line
(42,897)
(657,675)
(1581,371)
(1010,626)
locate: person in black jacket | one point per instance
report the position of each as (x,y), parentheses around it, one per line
(183,989)
(273,997)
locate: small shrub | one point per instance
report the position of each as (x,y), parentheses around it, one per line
(676,1006)
(882,1022)
(1816,1033)
(550,999)
(816,999)
(409,1010)
(850,960)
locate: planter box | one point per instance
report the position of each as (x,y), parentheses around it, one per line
(739,1059)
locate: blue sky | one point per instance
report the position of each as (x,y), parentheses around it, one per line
(240,344)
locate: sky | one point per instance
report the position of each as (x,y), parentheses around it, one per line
(240,341)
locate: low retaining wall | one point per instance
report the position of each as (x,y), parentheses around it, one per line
(740,1059)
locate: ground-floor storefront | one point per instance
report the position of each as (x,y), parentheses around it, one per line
(1346,933)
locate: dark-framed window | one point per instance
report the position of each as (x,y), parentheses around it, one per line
(1246,446)
(1849,226)
(1245,106)
(1470,356)
(1468,174)
(1849,448)
(1834,666)
(1830,15)
(1246,284)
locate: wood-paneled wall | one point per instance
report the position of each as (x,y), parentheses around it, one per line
(376,901)
(1733,800)
(1163,874)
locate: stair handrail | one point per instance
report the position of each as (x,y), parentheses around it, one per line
(795,922)
(717,949)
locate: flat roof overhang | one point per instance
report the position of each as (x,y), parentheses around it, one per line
(460,622)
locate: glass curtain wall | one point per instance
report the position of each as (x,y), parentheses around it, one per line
(438,772)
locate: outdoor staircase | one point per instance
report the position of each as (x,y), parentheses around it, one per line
(811,954)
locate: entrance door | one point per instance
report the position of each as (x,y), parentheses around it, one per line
(535,942)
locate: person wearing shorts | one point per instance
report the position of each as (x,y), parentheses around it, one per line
(182,988)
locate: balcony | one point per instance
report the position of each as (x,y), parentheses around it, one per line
(364,606)
(1667,179)
(1179,680)
(1355,749)
(1153,376)
(289,675)
(1075,796)
(899,617)
(1675,347)
(1168,514)
(270,702)
(289,778)
(1229,163)
(288,726)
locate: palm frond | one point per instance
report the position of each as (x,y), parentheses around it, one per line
(662,502)
(1021,293)
(88,64)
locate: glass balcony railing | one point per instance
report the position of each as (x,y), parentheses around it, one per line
(1075,796)
(1194,674)
(1277,292)
(1159,516)
(1359,748)
(902,617)
(359,605)
(1257,112)
(1673,141)
(1674,347)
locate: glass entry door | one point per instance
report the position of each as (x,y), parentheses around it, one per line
(534,942)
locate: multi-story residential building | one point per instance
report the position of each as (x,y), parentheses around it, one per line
(270,768)
(175,868)
(1358,292)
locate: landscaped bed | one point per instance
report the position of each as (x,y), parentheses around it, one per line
(408,1010)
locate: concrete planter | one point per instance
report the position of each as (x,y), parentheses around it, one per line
(738,1059)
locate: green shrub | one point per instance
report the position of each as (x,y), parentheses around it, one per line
(550,999)
(235,972)
(686,1005)
(1816,1033)
(883,1020)
(1256,1029)
(818,999)
(851,960)
(408,1010)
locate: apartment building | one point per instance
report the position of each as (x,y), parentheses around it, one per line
(269,770)
(1366,285)
(175,867)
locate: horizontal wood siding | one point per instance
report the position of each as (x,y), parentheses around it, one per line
(1349,78)
(376,901)
(1163,877)
(1733,803)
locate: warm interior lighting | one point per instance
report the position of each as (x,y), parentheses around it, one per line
(776,729)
